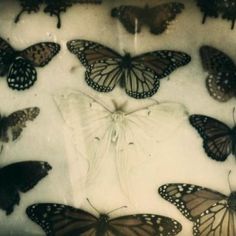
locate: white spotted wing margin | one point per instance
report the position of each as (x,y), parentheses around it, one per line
(63,220)
(99,128)
(212,213)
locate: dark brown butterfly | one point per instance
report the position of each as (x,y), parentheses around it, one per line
(212,213)
(53,7)
(157,18)
(221,80)
(216,8)
(139,75)
(219,141)
(19,177)
(11,126)
(19,66)
(63,220)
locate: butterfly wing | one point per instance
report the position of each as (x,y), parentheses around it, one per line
(131,17)
(6,56)
(102,64)
(40,54)
(208,8)
(143,225)
(159,17)
(217,140)
(221,81)
(63,220)
(191,200)
(20,176)
(142,79)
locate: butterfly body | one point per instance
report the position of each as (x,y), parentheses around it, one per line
(157,17)
(139,75)
(19,177)
(211,212)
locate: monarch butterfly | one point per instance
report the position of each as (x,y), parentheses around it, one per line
(54,8)
(218,138)
(157,18)
(102,128)
(221,81)
(139,75)
(19,177)
(214,8)
(58,219)
(211,212)
(15,123)
(19,66)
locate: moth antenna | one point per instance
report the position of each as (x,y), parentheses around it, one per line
(92,206)
(234,116)
(116,209)
(230,187)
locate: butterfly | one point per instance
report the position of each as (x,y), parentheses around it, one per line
(19,177)
(139,75)
(218,138)
(19,66)
(211,212)
(58,219)
(15,123)
(102,128)
(157,18)
(221,80)
(215,8)
(53,7)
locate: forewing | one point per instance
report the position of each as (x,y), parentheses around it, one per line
(22,74)
(217,140)
(17,120)
(159,17)
(218,220)
(62,220)
(130,17)
(191,200)
(103,70)
(41,54)
(144,225)
(20,176)
(6,56)
(162,62)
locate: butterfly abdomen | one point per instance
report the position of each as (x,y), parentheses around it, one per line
(232,201)
(3,130)
(102,226)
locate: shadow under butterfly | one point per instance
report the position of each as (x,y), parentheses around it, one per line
(19,177)
(215,8)
(131,134)
(53,7)
(157,18)
(221,79)
(211,212)
(139,76)
(219,140)
(19,66)
(64,220)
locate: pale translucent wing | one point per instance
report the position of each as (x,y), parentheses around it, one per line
(89,122)
(218,220)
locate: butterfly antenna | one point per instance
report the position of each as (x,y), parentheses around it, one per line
(116,209)
(230,187)
(92,206)
(234,116)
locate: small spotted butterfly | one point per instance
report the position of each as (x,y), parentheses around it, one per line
(19,66)
(221,80)
(57,219)
(53,7)
(157,18)
(19,177)
(15,123)
(219,141)
(211,212)
(140,75)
